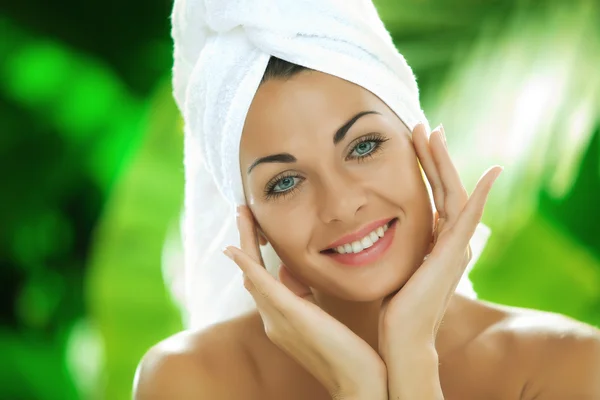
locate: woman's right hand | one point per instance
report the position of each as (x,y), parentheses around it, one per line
(344,363)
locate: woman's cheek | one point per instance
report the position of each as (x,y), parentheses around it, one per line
(287,237)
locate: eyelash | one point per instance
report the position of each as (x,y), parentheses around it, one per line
(378,139)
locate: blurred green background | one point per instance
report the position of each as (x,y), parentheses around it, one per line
(92,176)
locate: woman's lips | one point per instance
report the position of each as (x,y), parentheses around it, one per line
(359,234)
(369,255)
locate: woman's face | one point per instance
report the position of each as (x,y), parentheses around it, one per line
(320,183)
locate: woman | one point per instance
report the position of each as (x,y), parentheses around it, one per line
(363,309)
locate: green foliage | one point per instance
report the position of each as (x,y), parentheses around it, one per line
(126,290)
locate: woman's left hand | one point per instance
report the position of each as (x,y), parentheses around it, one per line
(410,318)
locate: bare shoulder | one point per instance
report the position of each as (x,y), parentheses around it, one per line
(213,363)
(558,356)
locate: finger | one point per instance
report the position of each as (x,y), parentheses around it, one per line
(248,234)
(421,144)
(440,274)
(433,285)
(261,285)
(436,223)
(455,194)
(264,305)
(470,216)
(295,285)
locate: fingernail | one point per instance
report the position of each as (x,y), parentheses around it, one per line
(438,132)
(238,210)
(228,253)
(498,174)
(443,131)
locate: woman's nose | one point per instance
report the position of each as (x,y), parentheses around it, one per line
(340,199)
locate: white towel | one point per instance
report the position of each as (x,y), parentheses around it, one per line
(222,48)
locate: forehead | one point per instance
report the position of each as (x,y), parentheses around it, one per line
(309,104)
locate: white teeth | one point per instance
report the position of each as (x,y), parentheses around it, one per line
(357,247)
(366,242)
(373,236)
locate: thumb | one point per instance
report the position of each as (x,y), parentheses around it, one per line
(299,288)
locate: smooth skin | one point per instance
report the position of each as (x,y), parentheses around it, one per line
(409,337)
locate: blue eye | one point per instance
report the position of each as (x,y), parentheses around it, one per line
(364,148)
(367,147)
(284,184)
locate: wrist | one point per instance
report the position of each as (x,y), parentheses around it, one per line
(365,388)
(409,349)
(415,375)
(377,393)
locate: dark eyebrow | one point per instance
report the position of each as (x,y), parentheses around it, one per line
(288,158)
(273,158)
(341,133)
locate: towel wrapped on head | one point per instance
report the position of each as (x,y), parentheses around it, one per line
(222,48)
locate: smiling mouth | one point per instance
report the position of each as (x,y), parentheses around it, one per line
(366,242)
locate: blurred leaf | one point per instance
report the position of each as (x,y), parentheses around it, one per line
(78,95)
(525,100)
(33,369)
(126,292)
(541,267)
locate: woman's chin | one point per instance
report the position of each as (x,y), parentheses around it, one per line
(366,291)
